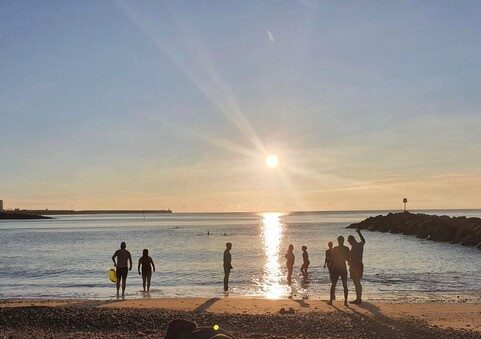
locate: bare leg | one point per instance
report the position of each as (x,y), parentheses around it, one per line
(149,276)
(335,277)
(124,283)
(344,286)
(358,287)
(226,280)
(144,278)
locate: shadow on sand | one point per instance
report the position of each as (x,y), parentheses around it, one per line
(205,305)
(301,303)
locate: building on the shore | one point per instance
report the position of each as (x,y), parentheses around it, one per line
(1,205)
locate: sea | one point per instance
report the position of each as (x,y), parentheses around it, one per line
(69,257)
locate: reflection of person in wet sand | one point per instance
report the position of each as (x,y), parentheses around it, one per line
(339,257)
(146,263)
(123,256)
(305,262)
(227,265)
(356,267)
(290,263)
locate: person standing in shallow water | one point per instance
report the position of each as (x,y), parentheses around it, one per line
(305,262)
(356,266)
(328,256)
(123,256)
(339,257)
(227,265)
(290,262)
(147,264)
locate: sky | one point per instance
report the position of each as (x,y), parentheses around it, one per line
(177,104)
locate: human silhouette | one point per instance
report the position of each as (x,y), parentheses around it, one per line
(328,256)
(356,266)
(305,262)
(339,257)
(227,265)
(123,256)
(290,262)
(147,264)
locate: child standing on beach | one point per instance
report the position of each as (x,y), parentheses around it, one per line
(305,262)
(147,264)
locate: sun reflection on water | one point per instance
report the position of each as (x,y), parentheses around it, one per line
(273,285)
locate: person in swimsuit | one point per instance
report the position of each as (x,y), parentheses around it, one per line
(356,266)
(305,262)
(337,262)
(147,264)
(123,256)
(290,262)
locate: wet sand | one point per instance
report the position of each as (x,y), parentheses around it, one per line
(244,317)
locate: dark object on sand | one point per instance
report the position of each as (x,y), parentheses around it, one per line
(14,215)
(185,329)
(456,230)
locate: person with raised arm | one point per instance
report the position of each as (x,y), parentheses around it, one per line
(356,266)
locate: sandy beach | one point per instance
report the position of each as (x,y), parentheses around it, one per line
(243,317)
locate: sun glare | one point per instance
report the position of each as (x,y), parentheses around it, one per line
(272,161)
(273,230)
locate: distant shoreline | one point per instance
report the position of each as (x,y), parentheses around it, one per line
(169,211)
(68,212)
(21,216)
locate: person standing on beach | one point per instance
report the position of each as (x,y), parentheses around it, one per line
(290,262)
(227,265)
(123,256)
(328,256)
(305,262)
(147,265)
(339,257)
(356,266)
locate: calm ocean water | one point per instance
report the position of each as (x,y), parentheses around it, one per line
(69,257)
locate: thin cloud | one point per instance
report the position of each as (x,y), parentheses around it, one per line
(270,36)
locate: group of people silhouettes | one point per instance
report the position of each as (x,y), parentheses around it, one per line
(336,260)
(124,264)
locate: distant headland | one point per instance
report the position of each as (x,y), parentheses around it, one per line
(456,230)
(69,212)
(15,215)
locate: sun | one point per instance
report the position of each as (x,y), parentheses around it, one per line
(272,161)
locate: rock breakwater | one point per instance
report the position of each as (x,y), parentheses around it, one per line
(456,230)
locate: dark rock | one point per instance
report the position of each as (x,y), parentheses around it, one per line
(461,230)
